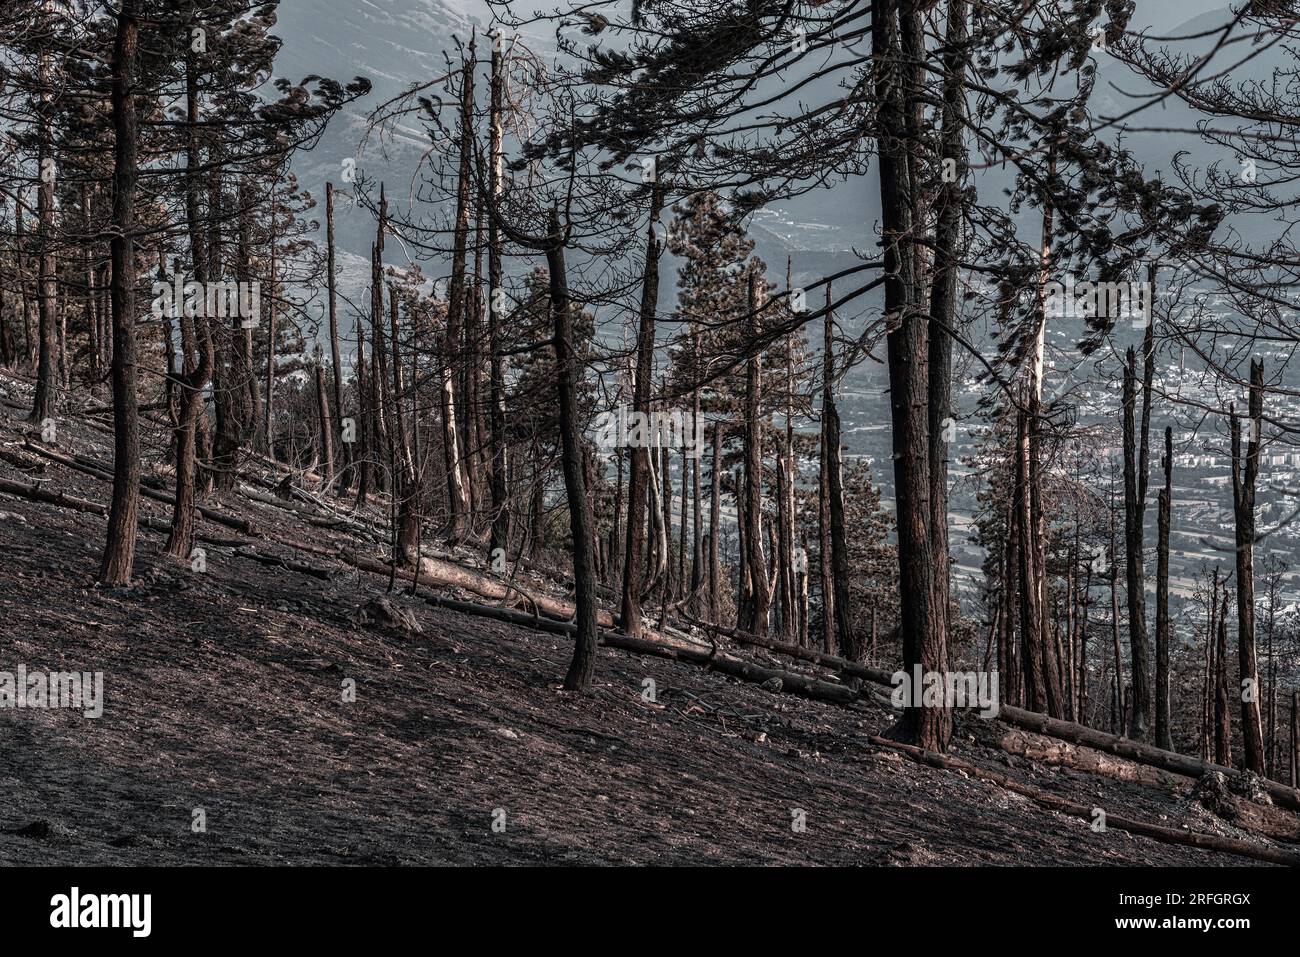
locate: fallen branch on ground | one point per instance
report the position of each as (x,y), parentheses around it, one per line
(1033,721)
(1167,835)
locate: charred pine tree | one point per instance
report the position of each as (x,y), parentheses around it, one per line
(1245,473)
(639,479)
(1163,738)
(568,370)
(453,452)
(500,537)
(1136,471)
(1032,639)
(45,402)
(715,523)
(943,295)
(895,37)
(1042,675)
(837,613)
(406,487)
(759,598)
(326,425)
(1222,716)
(123,517)
(344,449)
(361,425)
(196,334)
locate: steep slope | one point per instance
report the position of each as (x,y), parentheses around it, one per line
(224,691)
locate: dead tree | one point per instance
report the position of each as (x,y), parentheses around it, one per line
(758,599)
(1136,469)
(943,295)
(1245,473)
(123,519)
(336,362)
(500,537)
(457,479)
(896,41)
(326,424)
(1222,717)
(639,479)
(837,621)
(1163,739)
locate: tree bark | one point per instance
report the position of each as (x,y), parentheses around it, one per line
(1136,470)
(715,523)
(326,425)
(45,402)
(568,378)
(924,642)
(500,537)
(638,479)
(457,479)
(943,297)
(1163,738)
(759,600)
(1245,472)
(1222,717)
(123,520)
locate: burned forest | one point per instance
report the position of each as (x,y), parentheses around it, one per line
(484,433)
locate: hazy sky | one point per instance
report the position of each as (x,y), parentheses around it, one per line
(1172,13)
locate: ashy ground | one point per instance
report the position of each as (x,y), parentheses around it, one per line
(225,691)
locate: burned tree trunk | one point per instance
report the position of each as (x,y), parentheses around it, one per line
(406,477)
(345,448)
(715,522)
(568,377)
(196,338)
(457,479)
(45,402)
(638,480)
(759,599)
(943,297)
(836,610)
(1245,473)
(326,424)
(123,518)
(500,537)
(1222,717)
(924,642)
(1031,634)
(1163,739)
(1136,469)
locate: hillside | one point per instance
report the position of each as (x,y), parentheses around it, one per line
(222,691)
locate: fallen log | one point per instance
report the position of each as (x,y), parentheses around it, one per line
(1168,835)
(1045,750)
(1032,721)
(311,516)
(437,572)
(21,461)
(213,515)
(846,668)
(1213,794)
(1142,753)
(774,679)
(36,493)
(276,562)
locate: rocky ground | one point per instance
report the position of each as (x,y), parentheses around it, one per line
(225,691)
